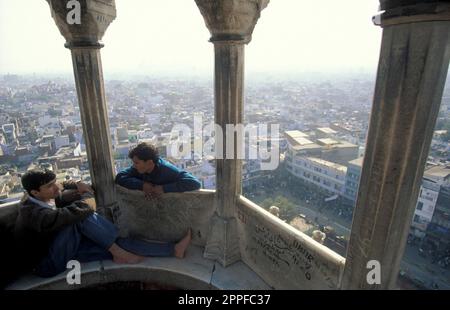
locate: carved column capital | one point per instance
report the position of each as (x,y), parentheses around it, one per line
(231,20)
(396,12)
(94,18)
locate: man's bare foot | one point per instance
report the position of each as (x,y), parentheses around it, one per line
(182,245)
(121,256)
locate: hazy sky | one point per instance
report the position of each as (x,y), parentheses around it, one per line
(170,36)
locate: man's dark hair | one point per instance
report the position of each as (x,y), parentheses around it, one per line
(144,151)
(34,179)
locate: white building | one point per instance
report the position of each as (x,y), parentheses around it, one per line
(426,203)
(325,132)
(327,175)
(61,141)
(9,132)
(121,135)
(122,149)
(439,174)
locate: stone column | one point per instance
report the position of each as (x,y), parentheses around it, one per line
(231,23)
(83,39)
(411,75)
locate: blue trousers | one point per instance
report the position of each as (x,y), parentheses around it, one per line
(89,240)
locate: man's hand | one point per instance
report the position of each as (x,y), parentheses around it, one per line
(152,191)
(84,188)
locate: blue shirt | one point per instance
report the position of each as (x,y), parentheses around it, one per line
(40,202)
(169,176)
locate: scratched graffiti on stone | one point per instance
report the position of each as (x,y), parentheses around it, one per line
(286,254)
(281,252)
(166,218)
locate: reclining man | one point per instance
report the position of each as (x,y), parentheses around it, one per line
(154,175)
(52,229)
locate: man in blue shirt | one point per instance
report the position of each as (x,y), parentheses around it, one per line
(154,175)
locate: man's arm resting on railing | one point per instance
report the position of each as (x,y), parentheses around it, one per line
(128,179)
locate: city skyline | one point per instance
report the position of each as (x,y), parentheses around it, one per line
(324,128)
(354,149)
(287,39)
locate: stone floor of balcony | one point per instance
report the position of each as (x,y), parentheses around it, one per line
(191,273)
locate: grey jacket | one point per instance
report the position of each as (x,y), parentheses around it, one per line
(37,225)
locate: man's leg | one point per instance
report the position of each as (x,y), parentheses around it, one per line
(146,248)
(99,230)
(104,234)
(89,251)
(63,248)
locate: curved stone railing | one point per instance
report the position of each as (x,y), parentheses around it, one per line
(166,218)
(283,256)
(274,254)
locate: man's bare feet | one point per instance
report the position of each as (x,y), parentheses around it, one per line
(182,245)
(121,256)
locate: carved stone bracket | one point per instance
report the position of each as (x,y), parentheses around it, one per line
(223,241)
(95,17)
(231,20)
(414,11)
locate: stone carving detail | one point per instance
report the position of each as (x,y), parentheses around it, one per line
(166,218)
(96,15)
(223,241)
(283,259)
(230,20)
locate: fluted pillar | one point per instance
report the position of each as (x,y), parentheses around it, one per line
(83,39)
(411,75)
(231,23)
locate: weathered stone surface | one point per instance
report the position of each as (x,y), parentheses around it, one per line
(392,4)
(413,67)
(191,273)
(96,15)
(166,218)
(231,19)
(231,23)
(228,96)
(405,12)
(238,276)
(94,117)
(83,40)
(229,110)
(223,244)
(284,257)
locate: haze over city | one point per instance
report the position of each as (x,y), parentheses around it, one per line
(170,37)
(336,164)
